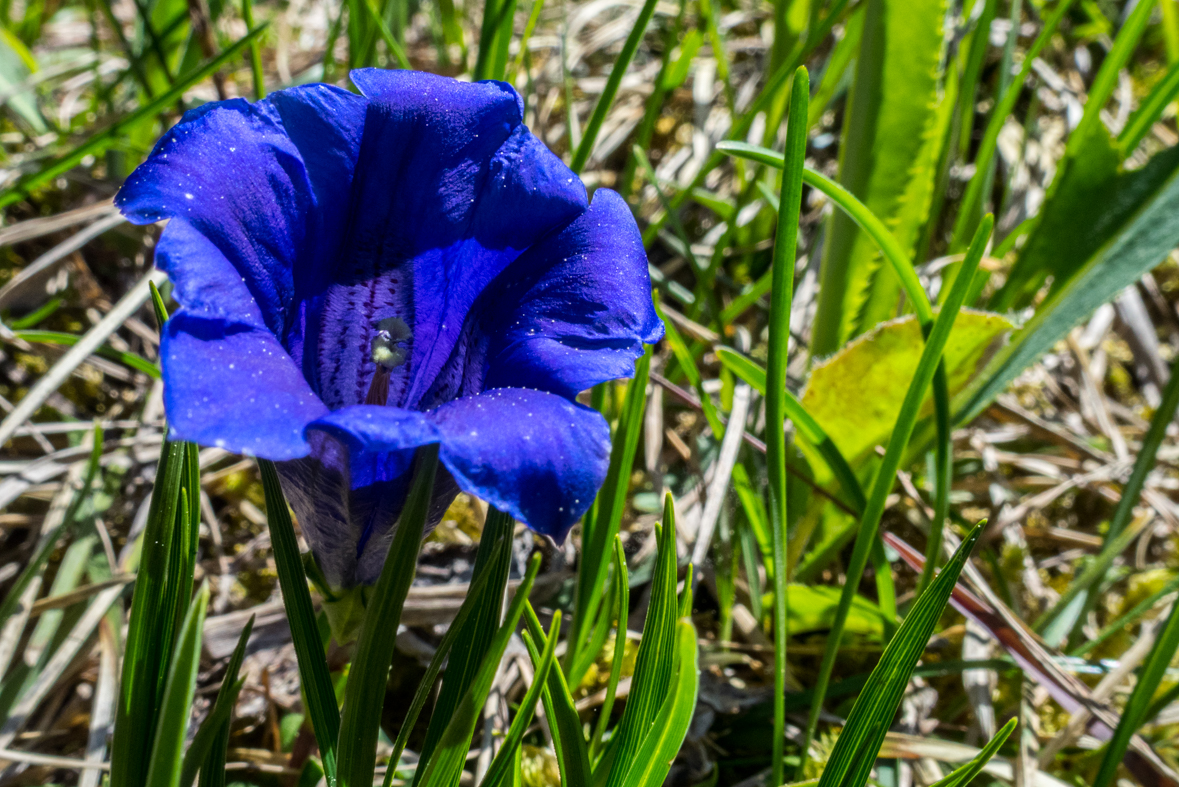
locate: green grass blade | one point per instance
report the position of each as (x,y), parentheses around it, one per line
(750,372)
(533,17)
(1139,703)
(964,774)
(622,594)
(102,139)
(972,200)
(650,767)
(255,52)
(446,763)
(886,472)
(386,34)
(148,648)
(601,524)
(477,635)
(166,756)
(687,362)
(590,135)
(506,755)
(854,755)
(426,685)
(1134,613)
(1149,111)
(201,753)
(313,668)
(131,360)
(781,295)
(561,712)
(364,697)
(653,664)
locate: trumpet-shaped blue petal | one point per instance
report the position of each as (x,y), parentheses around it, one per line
(362,275)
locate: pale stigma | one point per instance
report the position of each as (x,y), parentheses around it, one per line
(386,345)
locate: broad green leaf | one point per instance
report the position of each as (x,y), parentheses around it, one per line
(364,696)
(176,707)
(854,755)
(663,742)
(446,763)
(891,110)
(812,609)
(856,394)
(1140,228)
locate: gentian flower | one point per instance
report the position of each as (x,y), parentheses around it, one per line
(361,275)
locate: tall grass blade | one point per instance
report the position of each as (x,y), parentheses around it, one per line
(505,757)
(964,774)
(1135,712)
(781,295)
(622,595)
(365,694)
(176,707)
(313,668)
(590,135)
(886,472)
(207,751)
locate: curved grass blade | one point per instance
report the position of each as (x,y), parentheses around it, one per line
(446,763)
(886,473)
(964,774)
(561,712)
(176,707)
(313,668)
(854,755)
(364,696)
(781,295)
(505,758)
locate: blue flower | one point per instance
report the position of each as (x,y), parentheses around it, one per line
(360,275)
